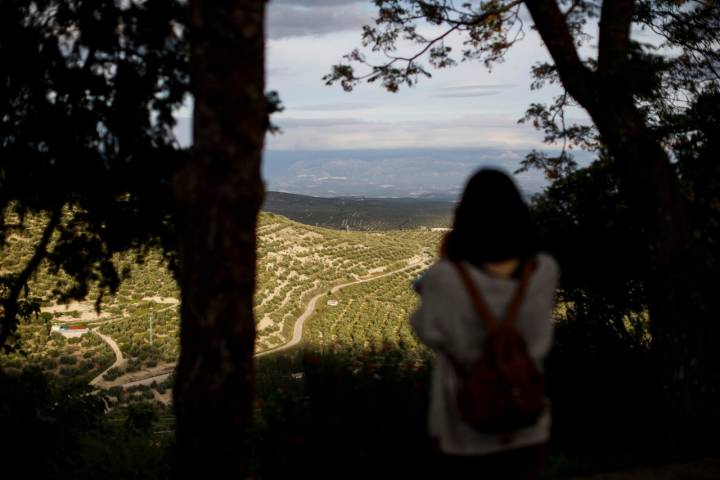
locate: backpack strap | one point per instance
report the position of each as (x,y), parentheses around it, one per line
(514,308)
(480,306)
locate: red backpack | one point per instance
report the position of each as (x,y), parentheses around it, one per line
(504,390)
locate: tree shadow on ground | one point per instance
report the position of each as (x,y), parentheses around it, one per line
(362,414)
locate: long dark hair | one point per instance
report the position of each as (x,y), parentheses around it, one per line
(492,222)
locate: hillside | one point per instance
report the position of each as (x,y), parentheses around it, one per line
(360,213)
(295,262)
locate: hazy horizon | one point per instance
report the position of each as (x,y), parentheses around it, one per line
(392,173)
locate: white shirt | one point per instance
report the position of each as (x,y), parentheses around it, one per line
(447,321)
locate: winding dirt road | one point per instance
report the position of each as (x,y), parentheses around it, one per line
(300,322)
(149,380)
(119,359)
(295,340)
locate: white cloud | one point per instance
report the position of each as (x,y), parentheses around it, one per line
(298,19)
(465,106)
(314,3)
(320,179)
(452,132)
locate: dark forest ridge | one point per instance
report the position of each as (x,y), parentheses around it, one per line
(362,213)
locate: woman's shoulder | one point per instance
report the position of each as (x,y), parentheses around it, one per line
(547,266)
(440,275)
(444,270)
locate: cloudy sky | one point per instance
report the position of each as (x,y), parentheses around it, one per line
(425,139)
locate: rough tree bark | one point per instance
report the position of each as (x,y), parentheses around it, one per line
(219,196)
(651,186)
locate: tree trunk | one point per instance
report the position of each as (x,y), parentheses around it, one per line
(680,323)
(683,318)
(683,313)
(651,187)
(219,196)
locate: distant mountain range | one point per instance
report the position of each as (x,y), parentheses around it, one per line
(400,173)
(362,213)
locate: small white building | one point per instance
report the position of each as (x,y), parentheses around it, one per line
(332,303)
(68,332)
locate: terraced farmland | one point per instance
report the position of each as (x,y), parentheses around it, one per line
(295,263)
(371,316)
(298,261)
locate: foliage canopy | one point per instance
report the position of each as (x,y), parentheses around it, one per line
(87,95)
